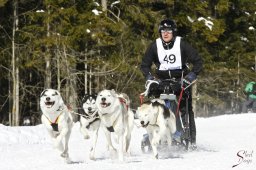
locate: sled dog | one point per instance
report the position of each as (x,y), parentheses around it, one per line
(115,118)
(159,122)
(90,121)
(57,119)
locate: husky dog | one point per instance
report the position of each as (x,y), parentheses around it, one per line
(90,121)
(116,118)
(57,119)
(159,122)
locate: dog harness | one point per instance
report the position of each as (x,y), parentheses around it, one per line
(111,129)
(96,119)
(89,116)
(123,101)
(55,123)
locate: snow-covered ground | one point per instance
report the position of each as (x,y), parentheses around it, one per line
(223,141)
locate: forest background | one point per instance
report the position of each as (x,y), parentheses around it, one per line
(84,46)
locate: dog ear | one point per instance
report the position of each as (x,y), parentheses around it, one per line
(57,93)
(153,108)
(113,93)
(43,92)
(85,96)
(95,95)
(61,101)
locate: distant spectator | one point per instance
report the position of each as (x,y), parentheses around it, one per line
(250,91)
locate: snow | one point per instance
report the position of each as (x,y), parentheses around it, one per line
(207,23)
(223,141)
(251,28)
(88,31)
(41,10)
(96,12)
(114,3)
(190,19)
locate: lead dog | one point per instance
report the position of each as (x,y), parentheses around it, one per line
(57,119)
(90,121)
(116,118)
(159,122)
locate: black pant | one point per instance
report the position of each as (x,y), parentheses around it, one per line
(192,124)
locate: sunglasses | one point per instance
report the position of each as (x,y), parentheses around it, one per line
(166,30)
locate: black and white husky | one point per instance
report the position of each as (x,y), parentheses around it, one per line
(90,121)
(57,119)
(116,118)
(159,122)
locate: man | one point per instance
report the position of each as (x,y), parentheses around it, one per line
(171,54)
(250,91)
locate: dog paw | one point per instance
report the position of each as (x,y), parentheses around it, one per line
(155,142)
(86,137)
(121,159)
(92,157)
(64,155)
(68,161)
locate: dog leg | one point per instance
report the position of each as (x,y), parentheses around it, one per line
(154,143)
(58,143)
(108,137)
(120,147)
(112,150)
(84,132)
(127,143)
(169,138)
(129,130)
(92,151)
(59,140)
(66,140)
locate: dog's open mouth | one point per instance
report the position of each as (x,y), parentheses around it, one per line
(145,125)
(49,104)
(103,104)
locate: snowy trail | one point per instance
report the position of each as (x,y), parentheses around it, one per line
(219,140)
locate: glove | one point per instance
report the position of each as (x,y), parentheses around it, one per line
(190,77)
(150,77)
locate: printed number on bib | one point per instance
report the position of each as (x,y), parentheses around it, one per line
(170,59)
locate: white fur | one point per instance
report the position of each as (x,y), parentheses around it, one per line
(90,123)
(158,128)
(116,114)
(65,121)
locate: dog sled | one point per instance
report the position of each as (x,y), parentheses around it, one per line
(168,92)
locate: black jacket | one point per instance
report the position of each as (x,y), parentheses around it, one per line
(188,56)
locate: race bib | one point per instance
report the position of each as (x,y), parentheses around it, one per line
(169,59)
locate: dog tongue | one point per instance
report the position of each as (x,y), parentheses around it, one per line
(104,104)
(49,103)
